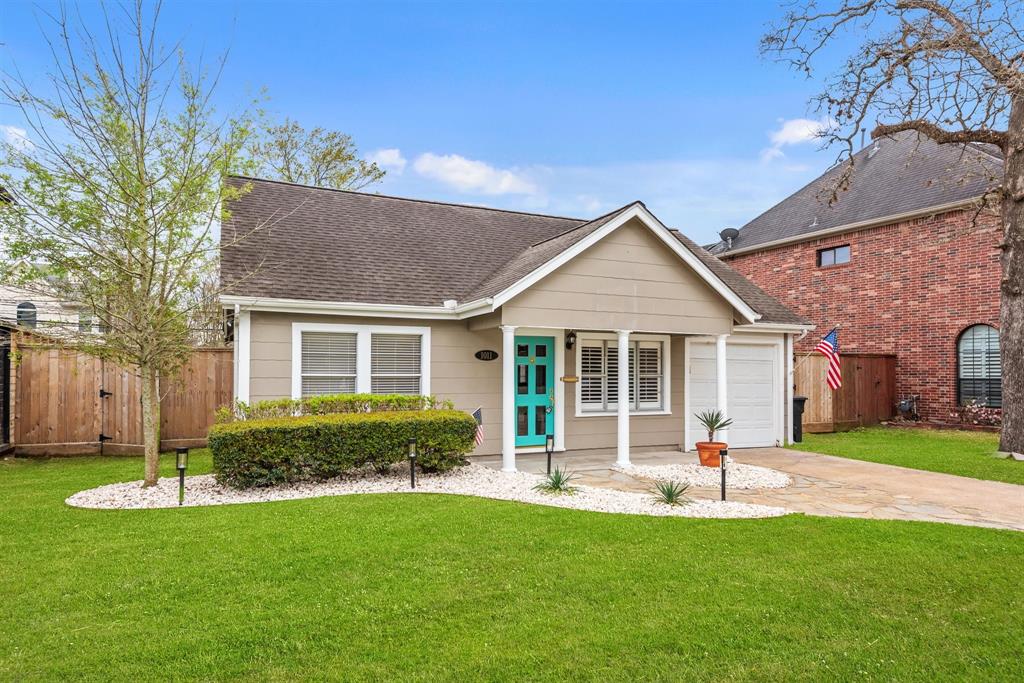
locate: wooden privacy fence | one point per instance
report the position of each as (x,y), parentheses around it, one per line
(63,401)
(868,394)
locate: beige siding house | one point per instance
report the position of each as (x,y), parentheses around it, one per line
(521,316)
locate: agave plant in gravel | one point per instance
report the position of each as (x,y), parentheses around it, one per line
(708,451)
(670,492)
(558,482)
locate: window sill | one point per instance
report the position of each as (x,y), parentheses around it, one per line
(632,413)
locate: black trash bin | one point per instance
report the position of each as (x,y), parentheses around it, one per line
(798,418)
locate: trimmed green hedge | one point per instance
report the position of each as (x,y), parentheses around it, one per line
(328,405)
(276,451)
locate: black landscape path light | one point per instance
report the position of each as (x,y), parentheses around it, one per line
(723,455)
(549,447)
(412,461)
(181,460)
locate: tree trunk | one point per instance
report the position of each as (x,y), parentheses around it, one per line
(151,423)
(1011,306)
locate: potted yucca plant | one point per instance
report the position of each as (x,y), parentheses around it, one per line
(708,451)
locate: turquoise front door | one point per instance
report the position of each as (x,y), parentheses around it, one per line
(535,390)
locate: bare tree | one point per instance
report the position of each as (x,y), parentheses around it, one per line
(952,71)
(117,190)
(325,158)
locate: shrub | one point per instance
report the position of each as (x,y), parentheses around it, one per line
(670,492)
(329,405)
(558,482)
(286,449)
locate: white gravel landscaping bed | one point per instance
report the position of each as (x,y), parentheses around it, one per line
(737,476)
(471,480)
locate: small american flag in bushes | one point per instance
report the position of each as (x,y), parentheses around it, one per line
(478,415)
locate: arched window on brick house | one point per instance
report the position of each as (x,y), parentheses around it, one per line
(978,367)
(27,314)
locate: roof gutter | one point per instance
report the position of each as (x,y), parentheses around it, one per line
(309,306)
(852,227)
(774,327)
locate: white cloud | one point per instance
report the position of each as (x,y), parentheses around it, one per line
(15,137)
(698,196)
(468,175)
(794,132)
(388,159)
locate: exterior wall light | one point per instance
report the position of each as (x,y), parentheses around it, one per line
(412,461)
(570,339)
(181,460)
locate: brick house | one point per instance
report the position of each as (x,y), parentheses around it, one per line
(903,262)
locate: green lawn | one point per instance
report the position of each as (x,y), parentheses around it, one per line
(435,587)
(968,454)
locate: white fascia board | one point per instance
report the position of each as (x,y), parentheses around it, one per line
(656,226)
(357,309)
(854,227)
(773,327)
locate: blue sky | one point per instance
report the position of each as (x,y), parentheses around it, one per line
(570,108)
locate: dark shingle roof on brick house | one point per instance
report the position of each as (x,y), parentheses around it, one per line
(288,241)
(903,174)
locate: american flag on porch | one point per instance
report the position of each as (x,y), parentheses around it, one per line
(829,347)
(478,415)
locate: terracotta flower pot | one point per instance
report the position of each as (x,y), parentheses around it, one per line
(708,451)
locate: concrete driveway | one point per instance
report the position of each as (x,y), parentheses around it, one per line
(825,485)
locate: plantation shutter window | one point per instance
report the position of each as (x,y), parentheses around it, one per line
(648,375)
(328,363)
(592,376)
(329,358)
(599,376)
(395,361)
(979,367)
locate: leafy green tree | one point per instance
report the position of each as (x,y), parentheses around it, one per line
(117,189)
(325,158)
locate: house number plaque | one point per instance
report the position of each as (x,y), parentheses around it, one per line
(486,354)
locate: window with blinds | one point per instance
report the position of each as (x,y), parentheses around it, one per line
(979,367)
(328,363)
(395,363)
(599,375)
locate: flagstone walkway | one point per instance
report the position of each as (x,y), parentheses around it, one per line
(823,485)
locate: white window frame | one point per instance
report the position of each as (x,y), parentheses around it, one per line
(363,365)
(666,369)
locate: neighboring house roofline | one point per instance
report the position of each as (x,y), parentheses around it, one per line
(853,227)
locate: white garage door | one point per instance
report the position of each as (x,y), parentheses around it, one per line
(754,395)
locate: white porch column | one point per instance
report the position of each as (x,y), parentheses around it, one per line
(508,398)
(244,354)
(623,416)
(722,393)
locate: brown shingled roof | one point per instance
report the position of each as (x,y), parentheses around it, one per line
(895,175)
(288,241)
